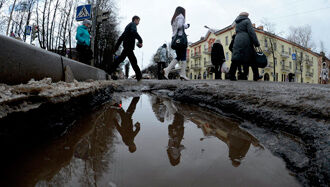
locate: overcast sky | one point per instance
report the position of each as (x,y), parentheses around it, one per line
(155,27)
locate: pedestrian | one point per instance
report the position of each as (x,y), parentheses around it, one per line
(324,74)
(243,47)
(128,39)
(83,42)
(178,27)
(233,65)
(217,58)
(163,57)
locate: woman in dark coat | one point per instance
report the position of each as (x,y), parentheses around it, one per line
(217,58)
(243,50)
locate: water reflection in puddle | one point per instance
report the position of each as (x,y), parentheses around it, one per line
(150,141)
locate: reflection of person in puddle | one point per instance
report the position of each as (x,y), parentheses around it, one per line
(175,132)
(238,147)
(126,129)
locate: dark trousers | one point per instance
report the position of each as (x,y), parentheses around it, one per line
(161,66)
(84,54)
(254,70)
(132,60)
(233,68)
(217,71)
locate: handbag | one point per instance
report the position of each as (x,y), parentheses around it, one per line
(179,42)
(261,58)
(224,68)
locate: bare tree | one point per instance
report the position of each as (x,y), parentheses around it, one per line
(301,35)
(270,36)
(10,17)
(1,3)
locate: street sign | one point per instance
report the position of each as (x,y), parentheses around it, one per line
(83,12)
(28,30)
(294,56)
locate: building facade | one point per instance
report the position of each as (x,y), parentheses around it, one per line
(292,62)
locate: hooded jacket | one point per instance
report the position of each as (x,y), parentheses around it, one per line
(128,37)
(83,36)
(245,39)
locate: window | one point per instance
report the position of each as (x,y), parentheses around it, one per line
(226,40)
(282,48)
(190,75)
(275,61)
(204,75)
(227,56)
(266,44)
(290,65)
(275,46)
(289,51)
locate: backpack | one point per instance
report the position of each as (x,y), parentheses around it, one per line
(157,55)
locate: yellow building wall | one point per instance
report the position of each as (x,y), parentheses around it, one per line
(198,64)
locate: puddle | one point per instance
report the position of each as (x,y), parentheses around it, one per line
(150,141)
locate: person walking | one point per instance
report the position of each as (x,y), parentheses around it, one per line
(243,48)
(163,57)
(178,27)
(233,65)
(217,58)
(324,74)
(83,42)
(128,39)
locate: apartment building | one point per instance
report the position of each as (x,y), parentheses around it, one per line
(292,62)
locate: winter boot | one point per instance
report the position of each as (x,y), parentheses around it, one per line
(183,71)
(167,70)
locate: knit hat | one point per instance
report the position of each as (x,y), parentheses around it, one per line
(87,22)
(244,14)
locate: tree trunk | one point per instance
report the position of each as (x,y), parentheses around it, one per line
(51,35)
(10,17)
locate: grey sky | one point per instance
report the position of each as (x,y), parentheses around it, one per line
(155,28)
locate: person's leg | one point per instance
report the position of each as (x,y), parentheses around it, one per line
(217,72)
(167,70)
(232,70)
(159,70)
(134,64)
(255,72)
(245,71)
(117,61)
(183,58)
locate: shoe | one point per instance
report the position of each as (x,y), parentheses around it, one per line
(184,78)
(165,74)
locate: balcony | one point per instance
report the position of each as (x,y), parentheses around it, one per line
(285,54)
(309,62)
(270,66)
(207,51)
(196,66)
(196,55)
(285,69)
(309,74)
(208,64)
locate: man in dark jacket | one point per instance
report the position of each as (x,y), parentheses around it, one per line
(217,58)
(128,38)
(243,51)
